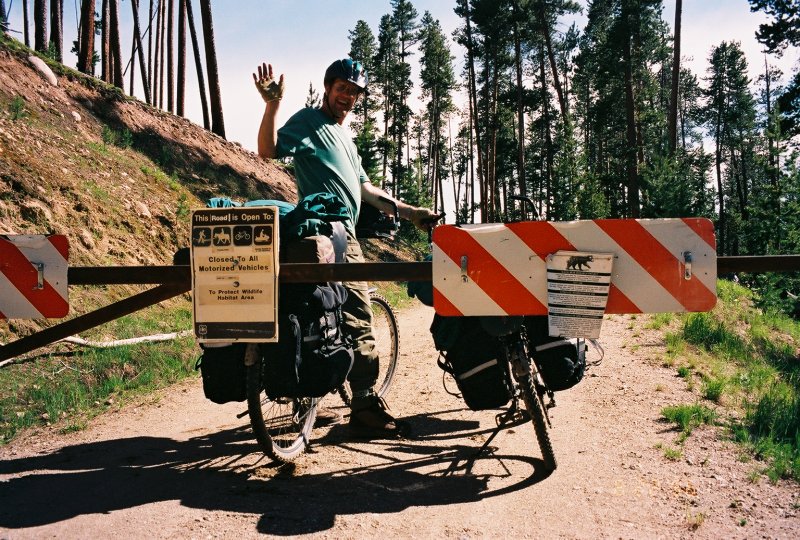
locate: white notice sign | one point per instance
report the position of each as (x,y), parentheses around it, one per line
(577,292)
(234,274)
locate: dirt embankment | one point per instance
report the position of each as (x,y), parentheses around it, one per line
(178,466)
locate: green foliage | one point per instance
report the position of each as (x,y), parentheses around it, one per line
(183,210)
(688,417)
(758,351)
(122,139)
(75,388)
(713,389)
(16,108)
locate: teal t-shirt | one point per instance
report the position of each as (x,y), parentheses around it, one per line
(325,159)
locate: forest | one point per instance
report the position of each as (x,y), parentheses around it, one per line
(602,121)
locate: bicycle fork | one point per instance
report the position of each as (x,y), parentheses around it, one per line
(522,365)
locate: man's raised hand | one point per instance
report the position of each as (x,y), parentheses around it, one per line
(267,86)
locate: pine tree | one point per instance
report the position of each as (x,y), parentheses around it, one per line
(437,82)
(313,100)
(364,49)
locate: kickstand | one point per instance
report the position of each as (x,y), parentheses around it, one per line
(503,419)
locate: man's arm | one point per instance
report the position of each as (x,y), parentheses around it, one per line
(268,133)
(422,218)
(271,92)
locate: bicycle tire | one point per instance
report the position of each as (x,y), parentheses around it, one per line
(282,426)
(535,409)
(387,343)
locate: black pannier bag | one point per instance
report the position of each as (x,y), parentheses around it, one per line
(312,356)
(475,360)
(223,371)
(562,366)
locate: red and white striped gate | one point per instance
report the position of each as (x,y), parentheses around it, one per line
(33,276)
(660,265)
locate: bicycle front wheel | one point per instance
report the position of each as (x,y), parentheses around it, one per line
(282,426)
(535,406)
(387,340)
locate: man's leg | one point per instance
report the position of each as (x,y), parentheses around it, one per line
(369,416)
(357,315)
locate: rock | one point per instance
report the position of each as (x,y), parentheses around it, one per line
(142,210)
(76,116)
(86,239)
(43,69)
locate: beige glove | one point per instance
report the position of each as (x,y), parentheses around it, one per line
(267,86)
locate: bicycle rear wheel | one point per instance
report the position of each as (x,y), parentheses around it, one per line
(535,406)
(282,426)
(387,341)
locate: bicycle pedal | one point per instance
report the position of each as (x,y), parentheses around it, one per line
(551,404)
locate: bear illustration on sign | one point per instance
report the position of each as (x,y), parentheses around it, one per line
(578,262)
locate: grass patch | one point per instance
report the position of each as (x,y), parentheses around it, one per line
(688,417)
(71,389)
(713,389)
(672,454)
(16,108)
(122,138)
(93,189)
(395,293)
(660,320)
(751,357)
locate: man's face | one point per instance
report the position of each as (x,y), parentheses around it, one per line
(342,96)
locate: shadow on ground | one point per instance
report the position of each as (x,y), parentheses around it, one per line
(217,472)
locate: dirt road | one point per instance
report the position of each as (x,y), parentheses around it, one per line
(178,466)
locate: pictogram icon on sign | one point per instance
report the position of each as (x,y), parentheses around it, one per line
(33,276)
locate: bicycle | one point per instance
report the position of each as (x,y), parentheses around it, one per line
(524,377)
(283,426)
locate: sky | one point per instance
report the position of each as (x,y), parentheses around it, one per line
(302,37)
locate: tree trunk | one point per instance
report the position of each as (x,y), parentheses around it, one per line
(86,46)
(473,105)
(548,140)
(157,59)
(149,31)
(162,47)
(520,108)
(3,18)
(170,59)
(181,57)
(40,24)
(56,28)
(116,46)
(137,36)
(630,120)
(217,122)
(676,70)
(720,190)
(26,23)
(105,43)
(198,64)
(545,24)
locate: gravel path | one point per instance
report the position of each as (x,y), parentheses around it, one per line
(178,466)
